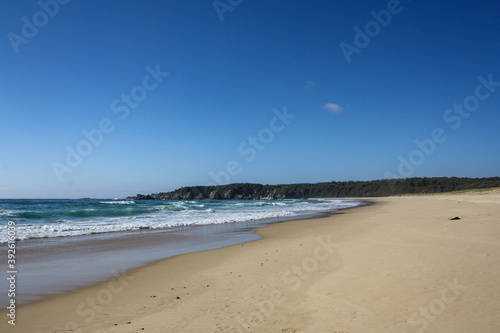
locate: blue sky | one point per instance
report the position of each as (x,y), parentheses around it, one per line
(265,95)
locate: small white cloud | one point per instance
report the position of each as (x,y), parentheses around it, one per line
(311,84)
(334,108)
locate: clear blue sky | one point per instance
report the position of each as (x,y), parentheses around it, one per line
(355,120)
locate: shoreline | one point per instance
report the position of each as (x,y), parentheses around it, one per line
(368,269)
(59,265)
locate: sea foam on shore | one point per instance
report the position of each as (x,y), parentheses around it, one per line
(63,218)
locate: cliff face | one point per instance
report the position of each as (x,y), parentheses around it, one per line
(375,188)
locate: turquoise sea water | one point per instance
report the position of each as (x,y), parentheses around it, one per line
(63,218)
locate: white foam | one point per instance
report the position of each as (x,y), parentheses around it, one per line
(118,202)
(186,216)
(7,212)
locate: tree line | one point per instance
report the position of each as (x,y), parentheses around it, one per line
(334,189)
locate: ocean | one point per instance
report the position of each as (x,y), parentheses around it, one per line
(65,218)
(65,244)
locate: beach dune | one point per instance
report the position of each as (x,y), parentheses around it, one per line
(399,265)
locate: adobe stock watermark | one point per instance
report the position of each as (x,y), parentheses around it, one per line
(11,272)
(372,29)
(222,6)
(93,306)
(420,320)
(292,278)
(453,116)
(94,137)
(252,146)
(30,27)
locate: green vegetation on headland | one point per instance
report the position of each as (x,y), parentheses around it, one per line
(374,188)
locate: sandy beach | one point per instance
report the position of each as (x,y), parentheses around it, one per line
(400,265)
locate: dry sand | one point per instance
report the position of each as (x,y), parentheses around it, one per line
(397,266)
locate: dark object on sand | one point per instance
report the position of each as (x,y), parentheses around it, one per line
(455,218)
